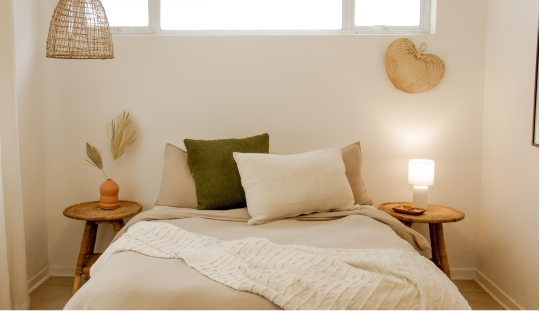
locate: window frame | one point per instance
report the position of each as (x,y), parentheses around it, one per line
(427,12)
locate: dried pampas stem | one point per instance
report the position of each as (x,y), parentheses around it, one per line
(122,134)
(94,158)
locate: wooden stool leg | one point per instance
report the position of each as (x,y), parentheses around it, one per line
(434,246)
(91,245)
(92,241)
(439,249)
(117,225)
(82,255)
(76,284)
(408,223)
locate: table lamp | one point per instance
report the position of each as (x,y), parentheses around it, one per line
(421,175)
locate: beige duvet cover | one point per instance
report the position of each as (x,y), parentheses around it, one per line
(129,280)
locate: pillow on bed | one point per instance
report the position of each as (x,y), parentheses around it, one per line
(281,186)
(178,187)
(177,184)
(217,182)
(352,157)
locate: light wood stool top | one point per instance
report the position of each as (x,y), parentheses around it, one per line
(94,215)
(435,216)
(91,211)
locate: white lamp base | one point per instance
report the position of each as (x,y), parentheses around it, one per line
(420,196)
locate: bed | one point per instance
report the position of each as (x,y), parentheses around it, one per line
(129,280)
(331,252)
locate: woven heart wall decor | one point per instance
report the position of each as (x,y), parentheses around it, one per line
(410,70)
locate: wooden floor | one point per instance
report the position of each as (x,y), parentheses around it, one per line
(55,293)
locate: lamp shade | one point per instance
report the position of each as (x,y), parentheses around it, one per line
(79,30)
(421,172)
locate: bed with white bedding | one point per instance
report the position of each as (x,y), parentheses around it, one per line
(308,239)
(131,280)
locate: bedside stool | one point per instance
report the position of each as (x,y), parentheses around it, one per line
(435,216)
(94,215)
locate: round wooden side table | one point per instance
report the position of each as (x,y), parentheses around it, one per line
(435,216)
(94,215)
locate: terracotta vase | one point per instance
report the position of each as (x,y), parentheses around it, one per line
(109,195)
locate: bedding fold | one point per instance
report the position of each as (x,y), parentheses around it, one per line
(414,238)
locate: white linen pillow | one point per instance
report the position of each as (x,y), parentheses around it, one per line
(281,186)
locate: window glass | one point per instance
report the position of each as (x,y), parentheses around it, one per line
(387,12)
(250,14)
(126,13)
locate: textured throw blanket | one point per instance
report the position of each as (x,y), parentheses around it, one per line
(301,277)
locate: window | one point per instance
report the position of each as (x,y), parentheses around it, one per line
(253,15)
(199,17)
(126,13)
(387,12)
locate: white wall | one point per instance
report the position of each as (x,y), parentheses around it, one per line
(508,231)
(29,51)
(307,92)
(11,197)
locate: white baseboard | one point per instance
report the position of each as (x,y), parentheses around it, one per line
(496,293)
(62,271)
(463,273)
(38,279)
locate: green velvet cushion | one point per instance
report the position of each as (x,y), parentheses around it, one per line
(216,176)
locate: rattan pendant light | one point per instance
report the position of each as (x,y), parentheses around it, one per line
(79,30)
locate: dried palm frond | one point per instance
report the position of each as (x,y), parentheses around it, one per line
(121,133)
(94,157)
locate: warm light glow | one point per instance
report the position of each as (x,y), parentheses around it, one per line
(421,172)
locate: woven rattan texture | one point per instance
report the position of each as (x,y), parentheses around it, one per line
(410,70)
(79,30)
(435,214)
(90,211)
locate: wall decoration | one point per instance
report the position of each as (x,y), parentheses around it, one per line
(536,120)
(410,70)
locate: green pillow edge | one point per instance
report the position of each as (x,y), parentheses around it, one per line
(217,180)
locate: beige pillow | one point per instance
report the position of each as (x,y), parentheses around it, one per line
(178,187)
(281,186)
(177,184)
(352,157)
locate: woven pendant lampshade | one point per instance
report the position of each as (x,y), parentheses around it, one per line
(79,30)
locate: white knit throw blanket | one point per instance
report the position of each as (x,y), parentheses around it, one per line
(302,277)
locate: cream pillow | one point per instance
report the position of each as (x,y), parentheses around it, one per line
(177,184)
(281,186)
